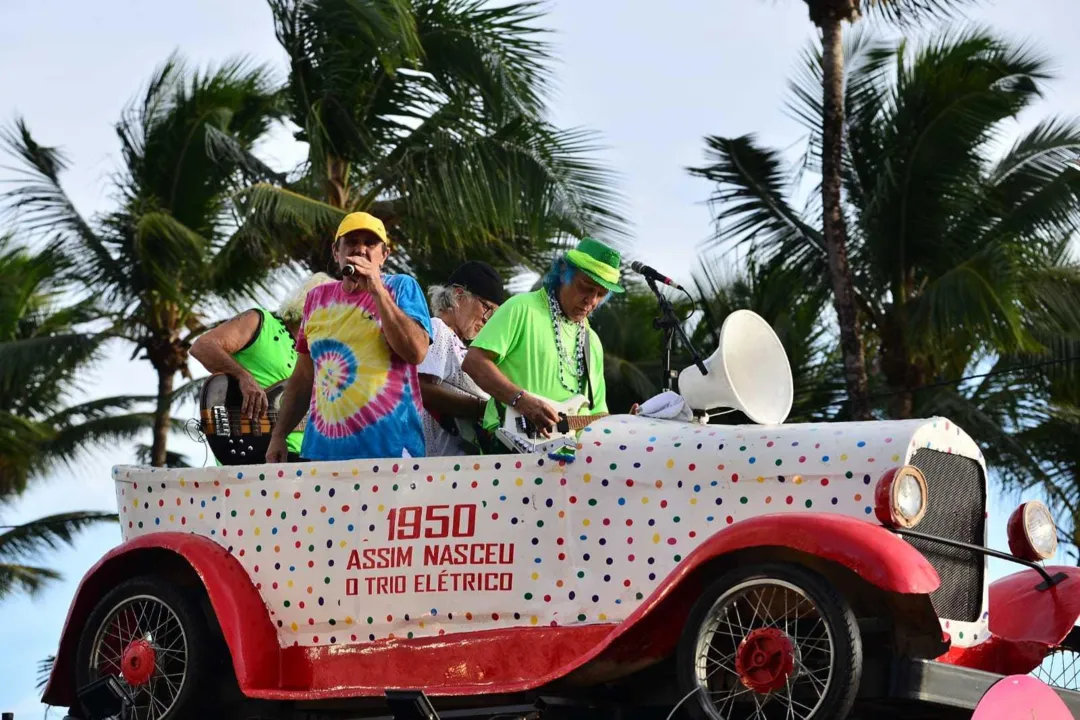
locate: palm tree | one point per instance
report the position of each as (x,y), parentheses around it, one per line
(428,114)
(44,347)
(956,255)
(169,251)
(959,249)
(829,16)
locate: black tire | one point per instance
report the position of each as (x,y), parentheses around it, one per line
(842,683)
(194,691)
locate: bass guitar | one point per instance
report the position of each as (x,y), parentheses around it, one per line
(234,438)
(518,432)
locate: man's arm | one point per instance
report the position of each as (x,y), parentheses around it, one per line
(404,335)
(214,349)
(294,404)
(480,365)
(444,401)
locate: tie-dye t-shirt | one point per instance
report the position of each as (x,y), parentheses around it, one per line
(365,402)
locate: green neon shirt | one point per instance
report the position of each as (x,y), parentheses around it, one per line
(270,358)
(520,336)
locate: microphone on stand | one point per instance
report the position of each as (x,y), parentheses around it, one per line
(643,269)
(669,322)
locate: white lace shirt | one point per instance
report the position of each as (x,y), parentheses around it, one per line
(443,361)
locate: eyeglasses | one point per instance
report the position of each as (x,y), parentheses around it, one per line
(487,310)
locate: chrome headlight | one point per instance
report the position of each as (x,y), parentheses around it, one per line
(900,497)
(1032,532)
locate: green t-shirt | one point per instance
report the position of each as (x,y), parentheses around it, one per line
(520,336)
(270,358)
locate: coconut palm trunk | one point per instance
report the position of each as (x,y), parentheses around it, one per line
(833,226)
(162,417)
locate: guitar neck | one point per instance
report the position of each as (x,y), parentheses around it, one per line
(577,422)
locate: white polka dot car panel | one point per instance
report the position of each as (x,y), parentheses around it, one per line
(356,552)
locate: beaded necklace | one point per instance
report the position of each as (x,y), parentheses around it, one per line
(558,320)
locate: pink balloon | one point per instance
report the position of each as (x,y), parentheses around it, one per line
(1021,696)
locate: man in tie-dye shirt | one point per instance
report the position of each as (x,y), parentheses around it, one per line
(358,348)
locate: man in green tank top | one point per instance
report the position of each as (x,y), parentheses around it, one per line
(257,348)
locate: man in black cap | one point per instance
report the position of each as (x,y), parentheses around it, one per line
(453,403)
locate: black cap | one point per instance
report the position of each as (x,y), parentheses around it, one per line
(481,280)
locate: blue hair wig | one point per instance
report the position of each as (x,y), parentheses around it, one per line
(562,273)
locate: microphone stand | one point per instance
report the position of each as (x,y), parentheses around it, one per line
(669,322)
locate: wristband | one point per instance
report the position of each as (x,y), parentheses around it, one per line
(514,402)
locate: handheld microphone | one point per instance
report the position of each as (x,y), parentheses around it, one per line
(648,272)
(348,271)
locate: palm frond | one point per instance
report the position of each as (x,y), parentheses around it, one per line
(44,671)
(526,182)
(188,392)
(34,372)
(750,206)
(47,533)
(496,52)
(172,459)
(908,12)
(24,578)
(38,204)
(21,440)
(69,440)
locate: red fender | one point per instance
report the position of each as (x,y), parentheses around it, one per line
(871,551)
(240,610)
(1020,613)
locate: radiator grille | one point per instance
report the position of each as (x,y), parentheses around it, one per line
(956,510)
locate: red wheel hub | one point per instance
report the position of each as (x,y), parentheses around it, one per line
(138,663)
(765,659)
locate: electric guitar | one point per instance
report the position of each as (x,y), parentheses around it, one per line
(519,434)
(234,438)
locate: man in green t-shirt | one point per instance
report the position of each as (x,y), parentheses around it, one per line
(533,347)
(257,348)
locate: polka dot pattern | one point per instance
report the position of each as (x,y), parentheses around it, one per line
(553,543)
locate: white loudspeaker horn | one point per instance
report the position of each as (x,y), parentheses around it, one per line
(748,372)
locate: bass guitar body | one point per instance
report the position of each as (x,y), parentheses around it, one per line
(233,437)
(519,434)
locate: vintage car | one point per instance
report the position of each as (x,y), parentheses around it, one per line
(772,571)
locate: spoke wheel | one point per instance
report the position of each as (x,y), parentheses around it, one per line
(771,643)
(152,638)
(1060,669)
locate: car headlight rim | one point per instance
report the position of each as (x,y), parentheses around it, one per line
(1032,532)
(1040,529)
(901,497)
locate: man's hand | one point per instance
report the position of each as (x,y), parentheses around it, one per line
(255,402)
(276,452)
(538,412)
(368,275)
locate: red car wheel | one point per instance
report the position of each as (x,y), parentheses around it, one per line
(776,641)
(154,638)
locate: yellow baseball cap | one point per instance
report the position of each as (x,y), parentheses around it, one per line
(362,221)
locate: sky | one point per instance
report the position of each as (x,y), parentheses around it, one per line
(652,79)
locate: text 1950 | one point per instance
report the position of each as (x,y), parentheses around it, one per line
(433,521)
